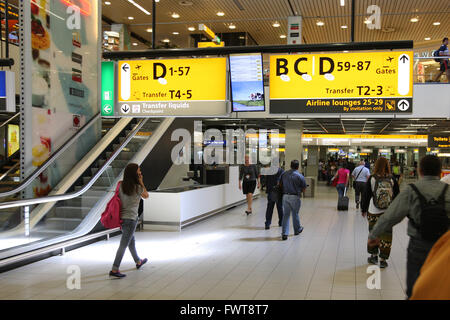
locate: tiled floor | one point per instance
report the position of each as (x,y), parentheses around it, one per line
(229,256)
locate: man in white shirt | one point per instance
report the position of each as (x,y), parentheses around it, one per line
(360,174)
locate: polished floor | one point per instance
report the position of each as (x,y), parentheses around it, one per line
(228,256)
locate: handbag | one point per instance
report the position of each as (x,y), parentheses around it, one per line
(354,182)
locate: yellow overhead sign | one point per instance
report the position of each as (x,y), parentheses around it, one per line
(207,31)
(367,82)
(210,44)
(194,86)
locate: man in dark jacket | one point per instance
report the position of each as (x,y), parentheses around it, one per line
(272,181)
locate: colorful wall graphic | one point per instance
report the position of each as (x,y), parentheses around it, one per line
(65,54)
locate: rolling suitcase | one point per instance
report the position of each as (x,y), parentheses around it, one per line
(343,202)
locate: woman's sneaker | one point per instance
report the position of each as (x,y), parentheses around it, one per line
(383,263)
(142,262)
(373,260)
(117,274)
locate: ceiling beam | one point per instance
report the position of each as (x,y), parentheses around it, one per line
(321,47)
(342,124)
(384,128)
(323,128)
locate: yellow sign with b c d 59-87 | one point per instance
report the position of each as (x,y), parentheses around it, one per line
(379,82)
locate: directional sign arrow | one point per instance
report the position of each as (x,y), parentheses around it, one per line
(107,109)
(125,108)
(125,67)
(404,58)
(403,105)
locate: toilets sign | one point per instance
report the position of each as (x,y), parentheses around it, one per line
(368,82)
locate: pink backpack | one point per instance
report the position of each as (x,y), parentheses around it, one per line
(111,216)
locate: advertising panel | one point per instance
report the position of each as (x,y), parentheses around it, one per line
(369,82)
(173,87)
(13,139)
(247,84)
(65,56)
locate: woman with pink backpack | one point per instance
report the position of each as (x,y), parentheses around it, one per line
(131,191)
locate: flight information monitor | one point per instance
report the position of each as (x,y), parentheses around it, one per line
(247,84)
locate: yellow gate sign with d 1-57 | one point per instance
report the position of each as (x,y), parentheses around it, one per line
(172,87)
(364,82)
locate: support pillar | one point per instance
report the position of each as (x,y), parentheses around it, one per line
(323,153)
(422,152)
(312,168)
(293,143)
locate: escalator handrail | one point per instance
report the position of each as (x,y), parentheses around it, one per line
(9,120)
(54,198)
(26,182)
(12,169)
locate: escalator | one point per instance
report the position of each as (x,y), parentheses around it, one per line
(71,212)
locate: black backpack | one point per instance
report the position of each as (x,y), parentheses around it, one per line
(433,217)
(436,54)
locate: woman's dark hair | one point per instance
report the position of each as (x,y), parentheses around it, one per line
(382,167)
(130,179)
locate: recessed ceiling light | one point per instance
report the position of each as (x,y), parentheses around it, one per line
(149,30)
(191,29)
(135,44)
(166,40)
(283,36)
(436,23)
(139,7)
(130,18)
(342,3)
(232,26)
(220,13)
(276,25)
(427,38)
(344,27)
(175,15)
(320,23)
(107,3)
(175,32)
(414,20)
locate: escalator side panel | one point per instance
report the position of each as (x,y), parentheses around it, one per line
(158,162)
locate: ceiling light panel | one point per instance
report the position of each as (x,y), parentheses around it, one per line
(139,7)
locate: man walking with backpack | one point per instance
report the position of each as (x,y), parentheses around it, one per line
(427,205)
(443,51)
(380,190)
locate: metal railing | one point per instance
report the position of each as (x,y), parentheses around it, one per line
(67,196)
(12,169)
(9,120)
(25,183)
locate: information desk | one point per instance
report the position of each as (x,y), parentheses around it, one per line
(174,208)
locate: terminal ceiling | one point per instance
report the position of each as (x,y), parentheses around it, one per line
(258,16)
(341,126)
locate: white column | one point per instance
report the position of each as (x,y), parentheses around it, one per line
(293,143)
